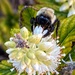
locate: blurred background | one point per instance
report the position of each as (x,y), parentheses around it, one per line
(9,19)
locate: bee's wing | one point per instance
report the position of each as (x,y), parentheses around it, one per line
(25,15)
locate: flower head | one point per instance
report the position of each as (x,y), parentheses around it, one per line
(33,53)
(69,4)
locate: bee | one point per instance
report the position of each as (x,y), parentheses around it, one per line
(44,22)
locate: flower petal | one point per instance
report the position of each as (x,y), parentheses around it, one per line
(35,38)
(24,32)
(70,2)
(10,44)
(38,30)
(71,11)
(41,55)
(65,6)
(31,55)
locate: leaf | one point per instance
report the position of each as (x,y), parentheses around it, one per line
(5,68)
(72,52)
(67,33)
(6,7)
(27,14)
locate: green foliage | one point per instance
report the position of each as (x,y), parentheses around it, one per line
(27,14)
(5,68)
(7,21)
(14,30)
(6,7)
(67,33)
(72,52)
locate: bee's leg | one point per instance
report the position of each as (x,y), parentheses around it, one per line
(57,22)
(33,22)
(73,44)
(48,33)
(32,28)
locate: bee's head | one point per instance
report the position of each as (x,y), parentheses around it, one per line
(45,15)
(43,20)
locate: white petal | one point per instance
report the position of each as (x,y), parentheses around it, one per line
(70,2)
(44,32)
(9,50)
(12,69)
(28,70)
(19,66)
(38,30)
(11,39)
(45,46)
(71,11)
(36,67)
(65,6)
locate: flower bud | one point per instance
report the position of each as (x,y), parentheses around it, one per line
(10,50)
(31,55)
(45,46)
(13,54)
(24,32)
(10,44)
(35,38)
(41,55)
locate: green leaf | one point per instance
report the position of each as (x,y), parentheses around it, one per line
(5,68)
(72,52)
(6,7)
(27,14)
(67,33)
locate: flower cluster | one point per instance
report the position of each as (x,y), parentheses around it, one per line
(68,4)
(33,53)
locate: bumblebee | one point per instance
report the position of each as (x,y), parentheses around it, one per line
(44,22)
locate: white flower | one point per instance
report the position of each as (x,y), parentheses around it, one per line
(68,4)
(33,53)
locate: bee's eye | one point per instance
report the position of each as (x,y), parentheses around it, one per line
(42,20)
